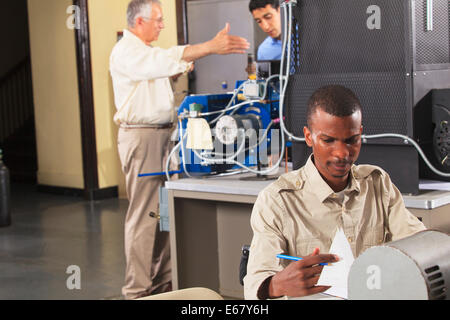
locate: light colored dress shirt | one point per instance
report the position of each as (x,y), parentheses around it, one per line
(300,212)
(270,49)
(140,74)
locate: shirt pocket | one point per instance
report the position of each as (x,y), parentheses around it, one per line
(306,246)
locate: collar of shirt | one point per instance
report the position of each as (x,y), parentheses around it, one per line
(132,37)
(275,41)
(320,187)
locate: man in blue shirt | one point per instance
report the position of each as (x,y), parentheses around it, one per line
(267,15)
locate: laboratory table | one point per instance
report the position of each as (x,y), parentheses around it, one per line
(209,222)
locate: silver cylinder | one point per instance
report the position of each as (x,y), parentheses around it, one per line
(416,267)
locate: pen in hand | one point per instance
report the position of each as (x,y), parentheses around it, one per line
(283,256)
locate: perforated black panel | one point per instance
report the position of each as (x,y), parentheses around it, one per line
(334,37)
(432,46)
(333,44)
(383,100)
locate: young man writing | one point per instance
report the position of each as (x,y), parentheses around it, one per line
(299,213)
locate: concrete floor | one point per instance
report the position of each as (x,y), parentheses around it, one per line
(49,233)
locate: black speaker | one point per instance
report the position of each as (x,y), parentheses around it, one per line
(433,132)
(391,53)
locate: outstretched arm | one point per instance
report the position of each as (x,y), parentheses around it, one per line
(222,43)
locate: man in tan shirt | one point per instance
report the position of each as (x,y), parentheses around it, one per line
(145,112)
(299,213)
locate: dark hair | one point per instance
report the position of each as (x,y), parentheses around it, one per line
(333,99)
(256,4)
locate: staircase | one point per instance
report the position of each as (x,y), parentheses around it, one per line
(17,132)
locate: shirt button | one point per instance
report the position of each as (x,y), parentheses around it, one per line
(297,184)
(350,239)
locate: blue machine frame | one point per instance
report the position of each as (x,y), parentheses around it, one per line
(267,111)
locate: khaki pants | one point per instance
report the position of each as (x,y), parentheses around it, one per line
(147,251)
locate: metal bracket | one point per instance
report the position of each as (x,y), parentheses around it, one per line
(429,15)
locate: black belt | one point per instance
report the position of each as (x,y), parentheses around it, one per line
(139,126)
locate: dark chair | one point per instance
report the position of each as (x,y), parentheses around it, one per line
(245,251)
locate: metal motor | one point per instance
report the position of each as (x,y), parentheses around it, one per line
(228,126)
(413,268)
(244,126)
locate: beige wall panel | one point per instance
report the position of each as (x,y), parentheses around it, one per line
(106,18)
(55,87)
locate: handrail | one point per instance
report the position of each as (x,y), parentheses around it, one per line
(16,98)
(14,69)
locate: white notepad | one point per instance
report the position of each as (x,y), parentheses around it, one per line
(336,274)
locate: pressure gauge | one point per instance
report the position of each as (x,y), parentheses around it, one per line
(227,130)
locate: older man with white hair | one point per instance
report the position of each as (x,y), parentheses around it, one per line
(145,113)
